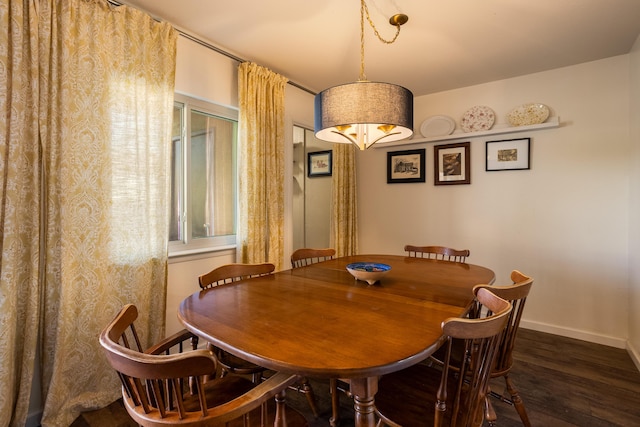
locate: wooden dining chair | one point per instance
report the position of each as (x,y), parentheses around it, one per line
(516,294)
(165,385)
(226,274)
(308,256)
(456,392)
(437,252)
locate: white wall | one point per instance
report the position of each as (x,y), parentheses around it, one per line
(565,222)
(202,73)
(634,210)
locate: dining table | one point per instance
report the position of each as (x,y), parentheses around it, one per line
(318,321)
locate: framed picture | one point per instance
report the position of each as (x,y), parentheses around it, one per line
(452,164)
(320,163)
(509,154)
(405,166)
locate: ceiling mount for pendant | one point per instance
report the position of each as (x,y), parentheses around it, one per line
(398,19)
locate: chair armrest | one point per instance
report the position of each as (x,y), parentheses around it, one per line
(254,397)
(171,341)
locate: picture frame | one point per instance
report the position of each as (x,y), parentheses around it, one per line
(508,154)
(452,164)
(406,166)
(320,163)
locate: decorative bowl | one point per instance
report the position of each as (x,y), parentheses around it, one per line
(369,272)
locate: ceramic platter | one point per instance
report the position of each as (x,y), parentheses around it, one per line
(477,118)
(528,114)
(437,126)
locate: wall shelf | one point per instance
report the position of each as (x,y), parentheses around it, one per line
(552,122)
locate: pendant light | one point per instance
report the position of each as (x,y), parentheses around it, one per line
(364,113)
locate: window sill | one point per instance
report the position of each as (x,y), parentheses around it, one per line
(200,253)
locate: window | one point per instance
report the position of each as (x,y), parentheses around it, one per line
(203,176)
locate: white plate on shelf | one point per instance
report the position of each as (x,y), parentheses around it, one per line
(437,126)
(528,114)
(477,118)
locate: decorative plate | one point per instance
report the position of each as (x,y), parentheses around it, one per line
(437,126)
(528,114)
(477,118)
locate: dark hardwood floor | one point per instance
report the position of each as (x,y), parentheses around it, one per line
(563,382)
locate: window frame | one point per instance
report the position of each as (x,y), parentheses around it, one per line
(189,245)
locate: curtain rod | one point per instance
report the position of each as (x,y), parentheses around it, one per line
(214,48)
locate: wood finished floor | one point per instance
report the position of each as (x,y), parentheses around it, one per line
(563,382)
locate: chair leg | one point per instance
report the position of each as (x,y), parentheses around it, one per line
(303,386)
(311,397)
(489,412)
(334,421)
(517,401)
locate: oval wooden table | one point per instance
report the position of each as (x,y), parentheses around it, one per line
(318,321)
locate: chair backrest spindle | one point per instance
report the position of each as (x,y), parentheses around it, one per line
(230,273)
(516,294)
(307,256)
(437,252)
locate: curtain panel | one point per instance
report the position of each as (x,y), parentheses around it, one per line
(99,102)
(261,163)
(344,212)
(20,202)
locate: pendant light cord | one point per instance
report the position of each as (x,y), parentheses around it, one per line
(364,10)
(363,7)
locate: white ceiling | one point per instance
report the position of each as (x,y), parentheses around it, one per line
(445,45)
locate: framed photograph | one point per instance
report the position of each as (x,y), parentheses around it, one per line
(405,166)
(452,164)
(509,154)
(320,163)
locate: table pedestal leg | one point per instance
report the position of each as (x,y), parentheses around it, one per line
(364,390)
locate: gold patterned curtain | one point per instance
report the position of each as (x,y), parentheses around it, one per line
(261,166)
(103,94)
(344,215)
(20,171)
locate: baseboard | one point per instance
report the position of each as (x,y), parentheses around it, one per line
(33,419)
(635,356)
(575,333)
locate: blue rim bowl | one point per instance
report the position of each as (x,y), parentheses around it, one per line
(369,272)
